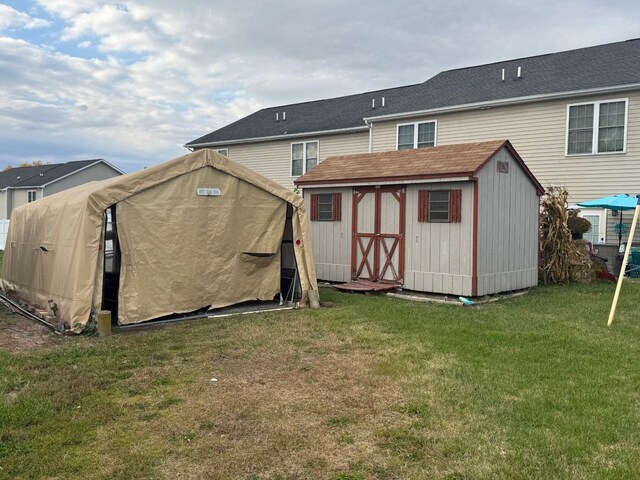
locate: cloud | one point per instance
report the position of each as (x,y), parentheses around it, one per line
(11,18)
(142,77)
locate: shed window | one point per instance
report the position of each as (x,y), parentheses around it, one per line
(223,151)
(416,135)
(440,206)
(32,196)
(598,127)
(326,207)
(304,156)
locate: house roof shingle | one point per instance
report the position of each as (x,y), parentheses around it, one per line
(459,160)
(37,176)
(602,66)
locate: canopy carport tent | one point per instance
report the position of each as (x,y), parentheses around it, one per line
(198,231)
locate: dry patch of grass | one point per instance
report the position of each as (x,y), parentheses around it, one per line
(374,388)
(17,334)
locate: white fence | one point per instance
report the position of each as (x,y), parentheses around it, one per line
(4,228)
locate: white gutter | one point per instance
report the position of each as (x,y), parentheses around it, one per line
(370,125)
(277,137)
(505,101)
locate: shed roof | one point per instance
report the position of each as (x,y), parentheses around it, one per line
(459,160)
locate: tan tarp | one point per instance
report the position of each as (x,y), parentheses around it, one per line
(180,251)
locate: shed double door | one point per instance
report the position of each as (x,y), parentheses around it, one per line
(377,251)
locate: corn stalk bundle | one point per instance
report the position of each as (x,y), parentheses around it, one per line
(562,259)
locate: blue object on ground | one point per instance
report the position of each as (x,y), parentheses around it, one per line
(466,301)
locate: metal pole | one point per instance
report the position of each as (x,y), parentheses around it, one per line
(624,266)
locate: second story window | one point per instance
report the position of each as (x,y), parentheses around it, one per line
(416,135)
(304,156)
(32,196)
(597,127)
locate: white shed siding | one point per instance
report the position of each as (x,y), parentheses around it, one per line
(507,228)
(331,241)
(538,133)
(438,256)
(273,158)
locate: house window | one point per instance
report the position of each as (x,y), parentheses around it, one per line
(304,156)
(32,196)
(598,127)
(598,218)
(326,207)
(440,206)
(416,135)
(223,151)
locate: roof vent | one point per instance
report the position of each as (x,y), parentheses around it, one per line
(42,174)
(519,72)
(18,177)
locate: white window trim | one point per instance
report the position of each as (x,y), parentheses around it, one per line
(304,156)
(223,151)
(602,213)
(415,131)
(35,195)
(596,127)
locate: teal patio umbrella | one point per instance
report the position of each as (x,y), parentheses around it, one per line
(618,203)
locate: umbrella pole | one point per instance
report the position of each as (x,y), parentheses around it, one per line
(624,264)
(620,232)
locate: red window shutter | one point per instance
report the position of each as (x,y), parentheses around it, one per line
(336,210)
(455,206)
(314,206)
(423,205)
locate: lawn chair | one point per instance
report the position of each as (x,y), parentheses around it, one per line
(633,267)
(597,259)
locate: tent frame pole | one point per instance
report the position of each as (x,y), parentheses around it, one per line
(624,266)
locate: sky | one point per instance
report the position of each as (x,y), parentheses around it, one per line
(133,81)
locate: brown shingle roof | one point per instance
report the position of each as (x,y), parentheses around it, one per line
(438,162)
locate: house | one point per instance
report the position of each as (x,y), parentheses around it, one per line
(454,219)
(574,116)
(22,185)
(184,236)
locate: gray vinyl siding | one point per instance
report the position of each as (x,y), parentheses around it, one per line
(331,241)
(20,197)
(507,228)
(3,204)
(538,133)
(273,158)
(438,256)
(98,171)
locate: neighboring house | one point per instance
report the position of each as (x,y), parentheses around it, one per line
(573,116)
(22,185)
(455,219)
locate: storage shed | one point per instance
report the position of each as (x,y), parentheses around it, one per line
(195,232)
(455,219)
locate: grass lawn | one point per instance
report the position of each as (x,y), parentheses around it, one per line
(531,387)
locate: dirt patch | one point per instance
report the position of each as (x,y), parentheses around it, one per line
(277,413)
(19,334)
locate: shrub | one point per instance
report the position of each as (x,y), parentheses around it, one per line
(577,225)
